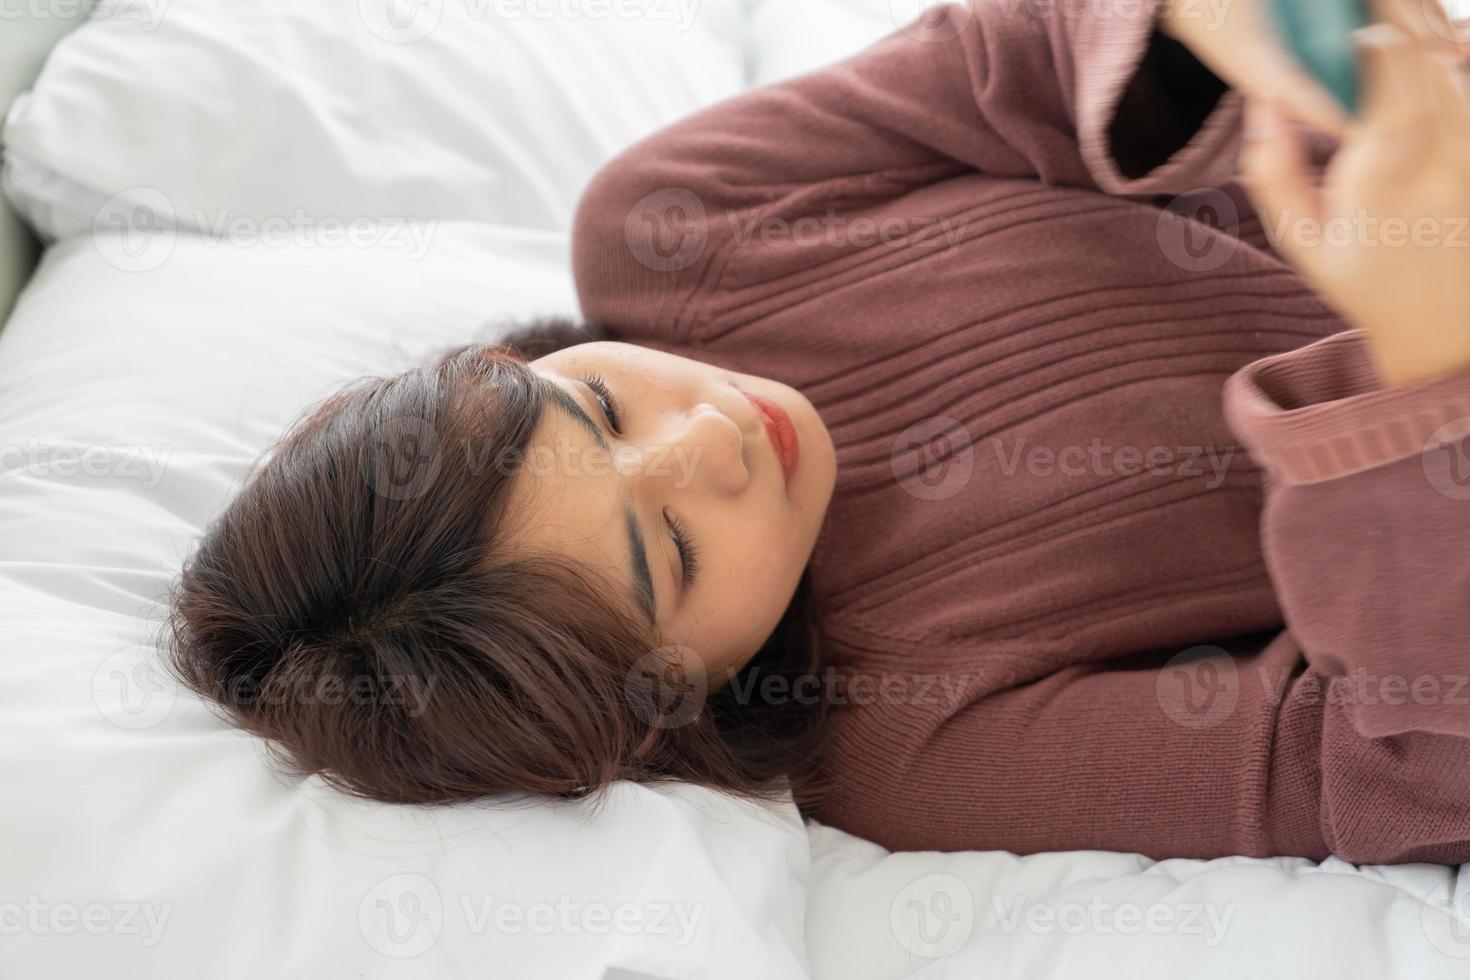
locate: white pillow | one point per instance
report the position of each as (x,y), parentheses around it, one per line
(492,110)
(786,38)
(146,838)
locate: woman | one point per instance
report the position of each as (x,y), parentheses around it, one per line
(917,422)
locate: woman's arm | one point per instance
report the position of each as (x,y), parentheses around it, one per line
(1366,531)
(1365,435)
(1349,733)
(1252,747)
(1011,89)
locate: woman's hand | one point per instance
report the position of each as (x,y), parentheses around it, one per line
(1385,238)
(1238,42)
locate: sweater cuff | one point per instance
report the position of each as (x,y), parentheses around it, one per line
(1150,118)
(1321,412)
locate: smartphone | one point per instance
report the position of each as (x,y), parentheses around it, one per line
(1319,33)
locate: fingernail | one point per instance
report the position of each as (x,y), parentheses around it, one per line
(1378,35)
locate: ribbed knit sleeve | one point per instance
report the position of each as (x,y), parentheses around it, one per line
(1366,529)
(1367,524)
(1321,413)
(1072,94)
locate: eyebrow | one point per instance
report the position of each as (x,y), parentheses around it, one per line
(642,589)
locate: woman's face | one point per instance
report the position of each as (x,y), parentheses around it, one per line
(667,476)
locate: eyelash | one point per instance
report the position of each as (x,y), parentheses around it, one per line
(688,552)
(606,400)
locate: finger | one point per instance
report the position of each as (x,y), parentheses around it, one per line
(1426,20)
(1417,88)
(1280,77)
(1445,29)
(1445,76)
(1278,177)
(1265,68)
(1397,90)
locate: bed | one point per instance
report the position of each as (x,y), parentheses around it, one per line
(245,205)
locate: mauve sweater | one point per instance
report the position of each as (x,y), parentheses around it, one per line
(1130,549)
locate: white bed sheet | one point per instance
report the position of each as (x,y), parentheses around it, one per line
(872,915)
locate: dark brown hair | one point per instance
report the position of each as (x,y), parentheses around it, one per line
(354,605)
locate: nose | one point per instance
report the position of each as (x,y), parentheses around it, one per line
(705,452)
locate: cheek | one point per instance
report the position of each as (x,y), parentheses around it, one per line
(764,566)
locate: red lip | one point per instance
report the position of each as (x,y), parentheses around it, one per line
(780,430)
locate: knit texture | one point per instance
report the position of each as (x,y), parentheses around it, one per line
(1129,548)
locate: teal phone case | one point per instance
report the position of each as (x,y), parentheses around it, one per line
(1319,33)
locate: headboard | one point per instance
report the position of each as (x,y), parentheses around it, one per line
(30,32)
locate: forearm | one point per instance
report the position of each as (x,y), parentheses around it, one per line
(1365,527)
(1232,748)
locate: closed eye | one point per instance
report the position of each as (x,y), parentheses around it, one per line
(688,553)
(606,400)
(683,543)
